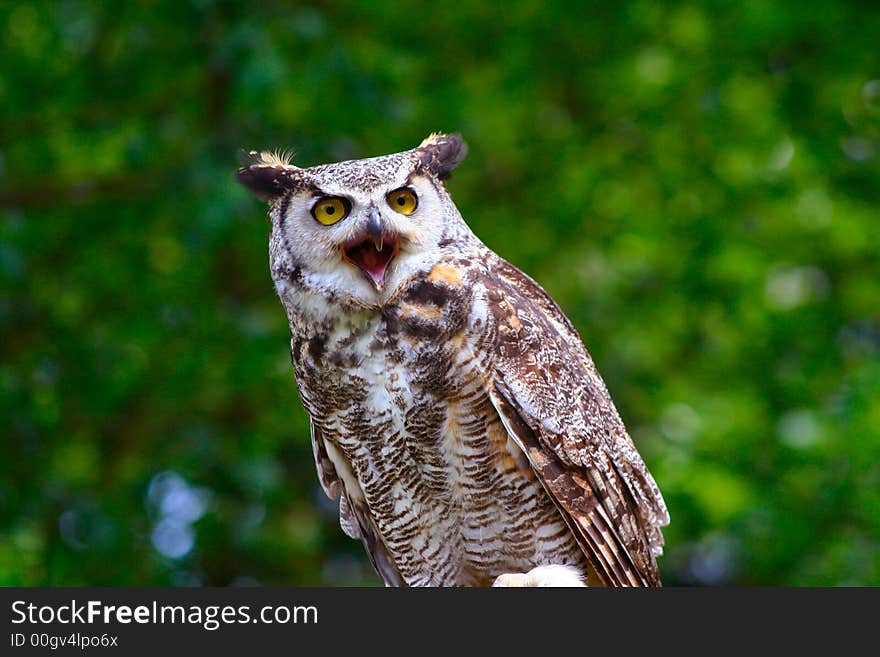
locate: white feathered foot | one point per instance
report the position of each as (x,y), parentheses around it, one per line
(552,575)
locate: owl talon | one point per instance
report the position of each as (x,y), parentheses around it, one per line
(552,576)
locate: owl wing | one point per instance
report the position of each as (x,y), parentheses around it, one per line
(556,408)
(354,517)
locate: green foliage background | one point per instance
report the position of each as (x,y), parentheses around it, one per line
(697,184)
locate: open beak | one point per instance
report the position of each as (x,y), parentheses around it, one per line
(373,252)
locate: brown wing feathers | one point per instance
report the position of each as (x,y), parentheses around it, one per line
(355,520)
(577,502)
(557,409)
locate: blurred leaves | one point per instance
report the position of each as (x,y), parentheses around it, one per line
(695,182)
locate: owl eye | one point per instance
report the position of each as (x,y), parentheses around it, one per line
(403,200)
(330,209)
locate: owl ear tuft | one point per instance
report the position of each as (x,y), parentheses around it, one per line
(439,154)
(267,175)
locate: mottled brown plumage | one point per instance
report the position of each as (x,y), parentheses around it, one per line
(456,414)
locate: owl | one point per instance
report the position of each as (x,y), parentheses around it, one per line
(455,413)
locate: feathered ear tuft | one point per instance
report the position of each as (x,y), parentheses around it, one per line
(439,154)
(267,175)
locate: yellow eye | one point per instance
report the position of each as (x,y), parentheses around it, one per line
(403,200)
(330,209)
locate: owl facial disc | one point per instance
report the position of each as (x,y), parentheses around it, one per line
(373,252)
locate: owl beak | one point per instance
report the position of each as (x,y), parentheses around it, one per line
(375,229)
(373,252)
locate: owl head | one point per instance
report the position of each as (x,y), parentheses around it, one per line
(359,229)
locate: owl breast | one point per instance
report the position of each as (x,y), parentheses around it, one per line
(399,397)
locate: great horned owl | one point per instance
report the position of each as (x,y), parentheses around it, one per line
(455,412)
